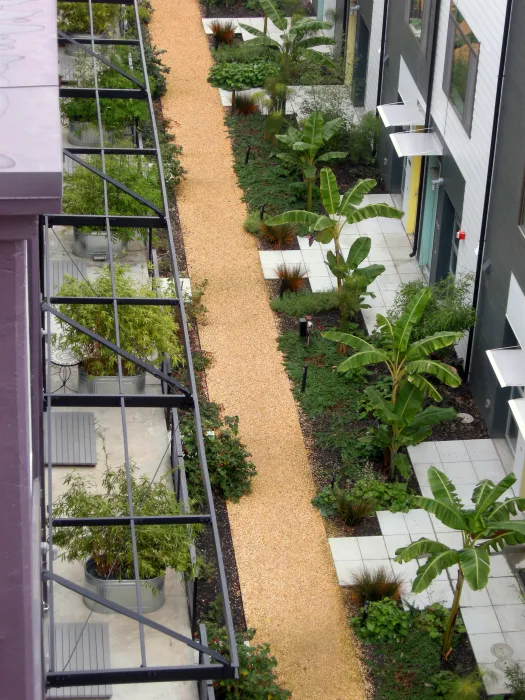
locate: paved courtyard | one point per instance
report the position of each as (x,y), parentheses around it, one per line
(495,616)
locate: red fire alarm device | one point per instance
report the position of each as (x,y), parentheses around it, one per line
(461,235)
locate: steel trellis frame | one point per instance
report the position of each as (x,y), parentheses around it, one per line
(178,396)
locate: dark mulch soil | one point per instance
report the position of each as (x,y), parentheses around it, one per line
(236,10)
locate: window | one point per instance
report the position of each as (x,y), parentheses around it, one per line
(461,67)
(454,248)
(415,17)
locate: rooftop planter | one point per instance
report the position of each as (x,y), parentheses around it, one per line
(145,331)
(107,552)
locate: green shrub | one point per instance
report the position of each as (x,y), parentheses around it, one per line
(325,502)
(433,619)
(392,496)
(257,669)
(228,460)
(384,621)
(515,681)
(252,224)
(450,686)
(241,76)
(310,71)
(449,308)
(240,53)
(305,303)
(362,137)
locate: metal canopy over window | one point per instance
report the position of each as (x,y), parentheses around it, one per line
(414,143)
(408,114)
(508,365)
(517,406)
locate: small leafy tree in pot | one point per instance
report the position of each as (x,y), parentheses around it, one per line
(241,76)
(73,17)
(109,549)
(487,526)
(145,331)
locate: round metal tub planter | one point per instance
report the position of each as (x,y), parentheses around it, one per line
(89,384)
(88,245)
(123,592)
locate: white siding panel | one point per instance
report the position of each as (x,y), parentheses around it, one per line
(407,87)
(374,51)
(486,20)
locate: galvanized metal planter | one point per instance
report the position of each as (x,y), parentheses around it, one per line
(87,245)
(124,592)
(85,134)
(88,384)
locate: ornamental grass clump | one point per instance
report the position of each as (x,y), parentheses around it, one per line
(245,105)
(145,331)
(279,237)
(109,548)
(351,510)
(376,584)
(223,32)
(292,277)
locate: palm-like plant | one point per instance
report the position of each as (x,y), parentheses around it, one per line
(341,210)
(486,526)
(295,40)
(303,146)
(404,360)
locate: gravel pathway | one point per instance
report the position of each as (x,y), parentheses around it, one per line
(288,582)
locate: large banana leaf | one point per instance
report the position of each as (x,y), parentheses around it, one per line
(423,384)
(329,190)
(445,373)
(369,211)
(337,266)
(490,497)
(311,41)
(320,58)
(300,216)
(354,196)
(358,251)
(450,515)
(251,30)
(402,465)
(443,489)
(475,564)
(313,130)
(332,127)
(432,416)
(263,41)
(434,566)
(502,540)
(292,158)
(383,409)
(270,8)
(331,155)
(309,24)
(419,548)
(413,436)
(408,402)
(424,347)
(510,506)
(301,146)
(482,490)
(287,138)
(408,319)
(353,341)
(370,272)
(309,172)
(361,359)
(385,325)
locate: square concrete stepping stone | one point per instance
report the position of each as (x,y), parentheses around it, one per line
(304,243)
(391,225)
(394,542)
(320,284)
(372,547)
(482,646)
(481,620)
(481,450)
(489,469)
(312,255)
(424,453)
(473,599)
(494,679)
(465,491)
(416,600)
(499,566)
(504,590)
(437,524)
(452,451)
(344,548)
(392,523)
(318,269)
(440,592)
(454,540)
(511,618)
(421,471)
(460,472)
(516,640)
(292,257)
(418,522)
(407,571)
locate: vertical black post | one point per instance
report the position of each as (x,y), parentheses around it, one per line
(150,244)
(247,158)
(303,383)
(261,210)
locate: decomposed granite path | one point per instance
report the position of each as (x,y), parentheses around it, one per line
(288,582)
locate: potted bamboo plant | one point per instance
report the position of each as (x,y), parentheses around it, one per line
(145,331)
(107,552)
(84,194)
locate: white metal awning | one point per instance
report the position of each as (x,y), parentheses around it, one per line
(408,114)
(414,143)
(508,365)
(517,406)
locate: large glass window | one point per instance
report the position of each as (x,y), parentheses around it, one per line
(415,17)
(462,66)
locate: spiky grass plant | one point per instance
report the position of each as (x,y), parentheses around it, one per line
(376,584)
(279,237)
(293,277)
(352,510)
(222,32)
(245,105)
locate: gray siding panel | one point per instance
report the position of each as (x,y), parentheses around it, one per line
(61,268)
(73,442)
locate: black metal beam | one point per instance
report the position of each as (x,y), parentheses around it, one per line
(148,622)
(96,171)
(124,301)
(189,519)
(106,93)
(106,42)
(114,400)
(106,2)
(112,151)
(146,366)
(79,220)
(153,674)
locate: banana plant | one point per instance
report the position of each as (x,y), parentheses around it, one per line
(404,423)
(303,148)
(487,526)
(341,210)
(353,281)
(404,360)
(295,41)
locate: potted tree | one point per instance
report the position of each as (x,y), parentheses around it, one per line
(107,551)
(84,194)
(145,331)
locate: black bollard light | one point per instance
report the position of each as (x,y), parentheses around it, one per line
(303,383)
(261,210)
(247,156)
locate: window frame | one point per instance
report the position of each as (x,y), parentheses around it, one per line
(521,213)
(425,24)
(466,117)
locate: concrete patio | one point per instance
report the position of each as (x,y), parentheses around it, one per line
(391,247)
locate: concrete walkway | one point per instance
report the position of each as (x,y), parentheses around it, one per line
(288,581)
